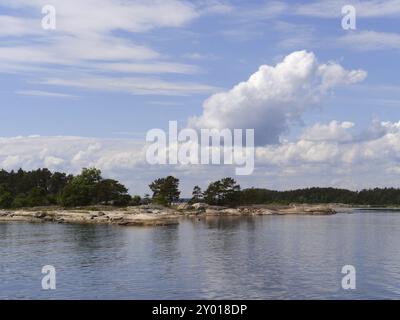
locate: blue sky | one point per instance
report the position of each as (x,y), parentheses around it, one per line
(115,69)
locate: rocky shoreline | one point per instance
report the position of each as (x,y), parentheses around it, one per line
(257,210)
(153,215)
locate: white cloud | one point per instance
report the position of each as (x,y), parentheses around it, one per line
(324,155)
(71,152)
(199,56)
(88,37)
(370,40)
(137,86)
(100,16)
(365,8)
(69,50)
(52,162)
(39,93)
(334,131)
(274,97)
(11,162)
(334,145)
(150,68)
(333,74)
(86,34)
(14,26)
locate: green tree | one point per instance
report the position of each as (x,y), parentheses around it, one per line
(165,190)
(230,192)
(57,182)
(36,197)
(197,195)
(223,192)
(20,201)
(6,198)
(212,195)
(82,189)
(89,188)
(109,190)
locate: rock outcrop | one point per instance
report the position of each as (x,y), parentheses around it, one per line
(153,215)
(135,216)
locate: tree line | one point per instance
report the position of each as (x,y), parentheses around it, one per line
(227,192)
(374,197)
(45,188)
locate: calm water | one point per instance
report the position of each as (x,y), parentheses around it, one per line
(273,257)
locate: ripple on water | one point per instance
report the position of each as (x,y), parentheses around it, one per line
(272,257)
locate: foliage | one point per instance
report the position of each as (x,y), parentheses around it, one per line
(197,195)
(377,196)
(82,189)
(6,198)
(36,197)
(90,188)
(111,191)
(146,199)
(31,188)
(225,192)
(165,190)
(42,187)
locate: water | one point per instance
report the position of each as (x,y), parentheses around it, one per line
(271,257)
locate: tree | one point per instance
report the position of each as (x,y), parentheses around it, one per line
(6,197)
(212,195)
(36,197)
(197,195)
(20,201)
(146,199)
(57,182)
(223,192)
(89,188)
(109,190)
(81,190)
(230,192)
(33,188)
(42,187)
(165,190)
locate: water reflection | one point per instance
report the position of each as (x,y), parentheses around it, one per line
(274,257)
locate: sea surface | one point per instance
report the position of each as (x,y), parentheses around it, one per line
(270,257)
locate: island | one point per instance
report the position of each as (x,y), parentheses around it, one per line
(43,196)
(153,215)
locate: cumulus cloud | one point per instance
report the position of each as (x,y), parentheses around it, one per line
(323,144)
(334,131)
(275,96)
(52,162)
(118,158)
(61,152)
(328,154)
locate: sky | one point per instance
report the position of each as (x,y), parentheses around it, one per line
(323,100)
